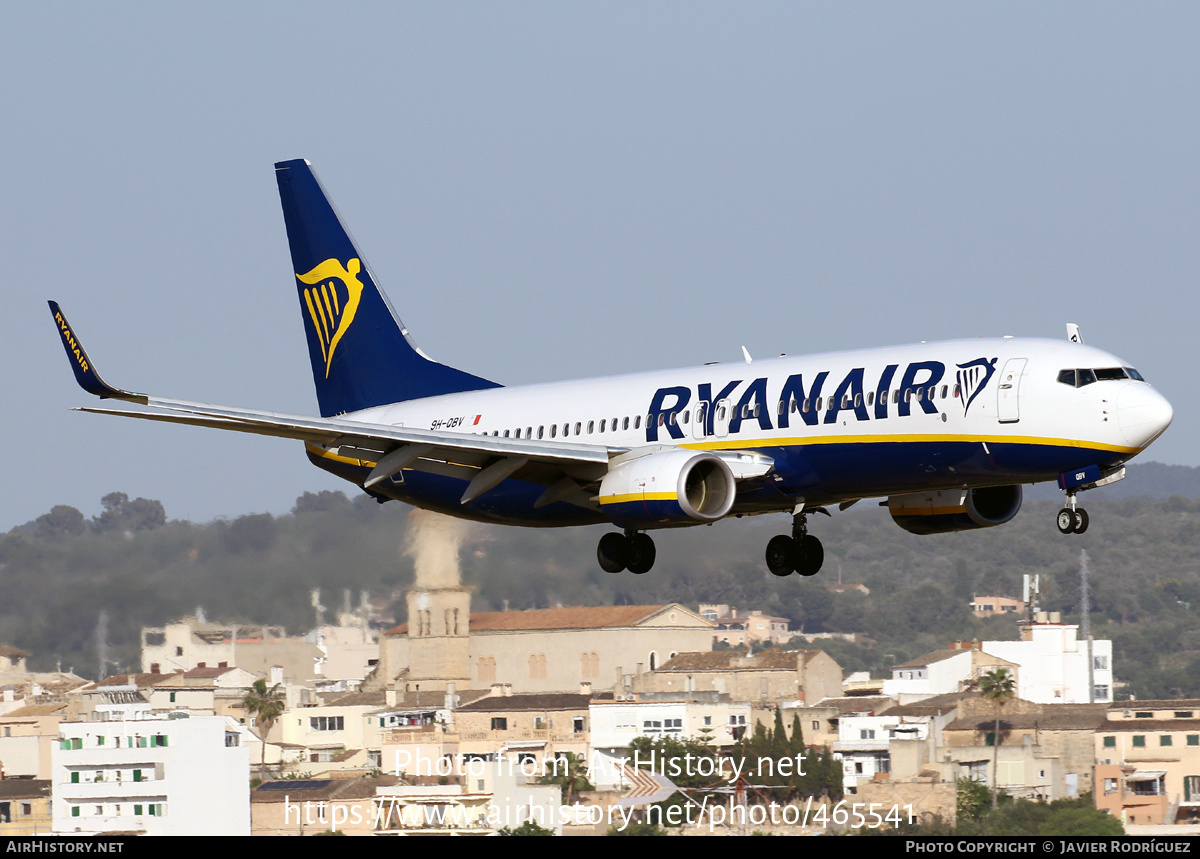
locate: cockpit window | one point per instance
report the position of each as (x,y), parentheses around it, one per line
(1081,377)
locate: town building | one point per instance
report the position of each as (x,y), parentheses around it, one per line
(546,650)
(1148,761)
(24,807)
(767,677)
(1055,666)
(740,629)
(185,776)
(942,672)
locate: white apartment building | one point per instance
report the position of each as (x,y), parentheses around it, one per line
(1055,667)
(185,776)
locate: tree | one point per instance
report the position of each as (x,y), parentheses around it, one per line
(266,706)
(998,687)
(571,774)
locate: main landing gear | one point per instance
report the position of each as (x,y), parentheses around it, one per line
(1072,519)
(800,553)
(632,550)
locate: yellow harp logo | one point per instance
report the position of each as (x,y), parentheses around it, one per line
(332,299)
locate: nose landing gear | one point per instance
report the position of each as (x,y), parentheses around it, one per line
(1072,519)
(800,553)
(632,550)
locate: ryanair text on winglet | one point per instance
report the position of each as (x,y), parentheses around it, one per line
(72,344)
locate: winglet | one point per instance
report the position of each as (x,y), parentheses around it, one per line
(81,364)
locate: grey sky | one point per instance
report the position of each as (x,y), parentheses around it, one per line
(560,190)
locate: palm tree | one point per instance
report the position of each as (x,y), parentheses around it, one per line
(998,686)
(266,706)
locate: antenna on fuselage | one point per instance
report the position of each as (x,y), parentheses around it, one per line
(1073,333)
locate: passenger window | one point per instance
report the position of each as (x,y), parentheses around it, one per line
(637,422)
(870,398)
(625,425)
(721,413)
(529,432)
(673,419)
(807,403)
(857,400)
(957,391)
(662,419)
(792,406)
(506,433)
(591,426)
(553,430)
(896,396)
(541,429)
(817,407)
(578,427)
(685,416)
(754,411)
(945,390)
(602,424)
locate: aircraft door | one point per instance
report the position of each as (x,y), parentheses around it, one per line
(1007,409)
(723,412)
(699,420)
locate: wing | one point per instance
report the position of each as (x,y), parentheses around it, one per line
(564,467)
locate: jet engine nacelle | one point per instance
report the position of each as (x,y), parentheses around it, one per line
(669,486)
(948,510)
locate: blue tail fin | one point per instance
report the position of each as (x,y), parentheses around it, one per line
(361,355)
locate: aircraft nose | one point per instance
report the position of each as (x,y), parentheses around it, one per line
(1142,413)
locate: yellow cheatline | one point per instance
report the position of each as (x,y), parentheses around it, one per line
(336,457)
(637,496)
(800,441)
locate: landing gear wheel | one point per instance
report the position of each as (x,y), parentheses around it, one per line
(1067,521)
(1081,520)
(810,555)
(641,554)
(781,555)
(613,553)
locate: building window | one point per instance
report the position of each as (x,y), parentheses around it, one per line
(1100,663)
(1143,714)
(1110,742)
(1193,739)
(1164,739)
(866,734)
(327,723)
(499,723)
(537,666)
(1139,741)
(577,725)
